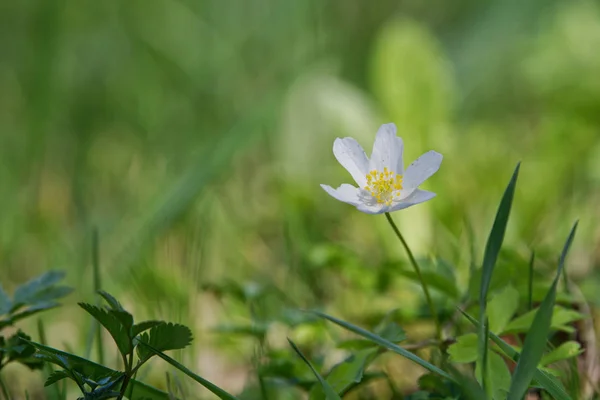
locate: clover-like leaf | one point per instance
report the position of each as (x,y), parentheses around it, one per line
(57,376)
(465,349)
(143,326)
(113,325)
(163,337)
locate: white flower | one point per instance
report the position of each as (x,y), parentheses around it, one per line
(383,185)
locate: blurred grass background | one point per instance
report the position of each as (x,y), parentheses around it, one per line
(194,134)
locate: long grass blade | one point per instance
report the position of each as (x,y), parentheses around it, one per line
(548,382)
(535,341)
(492,249)
(385,343)
(330,394)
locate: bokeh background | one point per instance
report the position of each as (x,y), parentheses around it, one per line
(194,134)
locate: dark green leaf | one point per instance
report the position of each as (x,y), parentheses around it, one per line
(210,386)
(112,302)
(330,393)
(56,376)
(384,343)
(492,249)
(40,289)
(163,337)
(535,341)
(143,326)
(346,374)
(548,382)
(29,311)
(135,391)
(112,324)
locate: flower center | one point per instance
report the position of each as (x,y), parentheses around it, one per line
(384,186)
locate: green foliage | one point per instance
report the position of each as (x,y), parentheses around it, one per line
(99,382)
(492,249)
(34,296)
(328,390)
(535,341)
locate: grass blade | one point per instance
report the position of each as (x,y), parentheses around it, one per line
(207,384)
(535,341)
(330,394)
(530,282)
(492,249)
(548,382)
(385,343)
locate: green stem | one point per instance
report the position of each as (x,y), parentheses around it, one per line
(432,310)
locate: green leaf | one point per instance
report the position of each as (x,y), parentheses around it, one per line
(392,332)
(535,341)
(464,350)
(548,382)
(5,303)
(113,325)
(210,386)
(143,326)
(330,393)
(434,280)
(135,391)
(499,375)
(112,302)
(40,289)
(492,249)
(29,311)
(560,318)
(384,343)
(346,374)
(163,337)
(502,307)
(566,350)
(56,376)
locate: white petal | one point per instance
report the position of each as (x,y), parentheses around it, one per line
(346,193)
(375,209)
(352,157)
(387,150)
(420,170)
(418,196)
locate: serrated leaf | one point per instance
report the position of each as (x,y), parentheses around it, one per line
(39,289)
(564,351)
(346,374)
(5,302)
(163,337)
(384,343)
(111,323)
(112,302)
(209,385)
(391,331)
(56,376)
(548,382)
(135,391)
(492,249)
(535,341)
(330,393)
(143,326)
(560,318)
(502,307)
(29,311)
(464,350)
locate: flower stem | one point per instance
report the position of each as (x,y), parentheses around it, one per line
(432,310)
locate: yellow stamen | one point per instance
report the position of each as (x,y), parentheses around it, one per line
(384,186)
